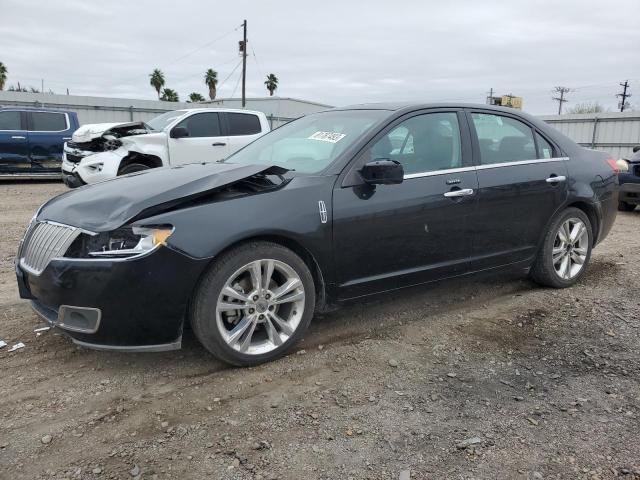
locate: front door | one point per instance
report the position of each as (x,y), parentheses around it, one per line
(14,144)
(523,182)
(205,142)
(390,236)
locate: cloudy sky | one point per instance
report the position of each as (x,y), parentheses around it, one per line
(334,52)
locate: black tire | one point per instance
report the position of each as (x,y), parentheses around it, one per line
(626,207)
(133,167)
(543,271)
(203,306)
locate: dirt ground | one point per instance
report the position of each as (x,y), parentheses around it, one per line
(483,378)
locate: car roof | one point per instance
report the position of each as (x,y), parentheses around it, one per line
(221,109)
(397,106)
(13,108)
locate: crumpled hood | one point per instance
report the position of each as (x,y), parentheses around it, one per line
(86,133)
(105,206)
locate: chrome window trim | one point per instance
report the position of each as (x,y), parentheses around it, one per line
(484,167)
(521,162)
(438,172)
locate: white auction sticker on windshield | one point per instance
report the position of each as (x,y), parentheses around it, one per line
(331,137)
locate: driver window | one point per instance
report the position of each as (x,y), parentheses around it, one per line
(424,143)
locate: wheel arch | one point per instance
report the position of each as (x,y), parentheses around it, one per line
(591,212)
(304,253)
(152,161)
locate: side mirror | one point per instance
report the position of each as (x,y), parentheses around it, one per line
(382,172)
(179,132)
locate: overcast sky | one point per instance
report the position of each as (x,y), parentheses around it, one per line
(334,52)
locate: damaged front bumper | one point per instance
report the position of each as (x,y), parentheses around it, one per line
(115,304)
(80,167)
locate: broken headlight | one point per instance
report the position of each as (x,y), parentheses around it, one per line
(121,243)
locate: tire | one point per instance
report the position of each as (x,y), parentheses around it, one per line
(133,167)
(224,331)
(554,274)
(626,207)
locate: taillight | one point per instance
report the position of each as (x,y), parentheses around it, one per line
(614,165)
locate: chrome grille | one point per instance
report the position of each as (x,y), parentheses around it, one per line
(43,242)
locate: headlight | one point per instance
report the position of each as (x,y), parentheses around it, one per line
(623,165)
(121,243)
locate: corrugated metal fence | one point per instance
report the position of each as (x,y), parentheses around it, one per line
(616,133)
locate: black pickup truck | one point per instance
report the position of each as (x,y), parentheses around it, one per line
(629,196)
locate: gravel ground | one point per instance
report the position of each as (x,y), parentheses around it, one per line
(480,378)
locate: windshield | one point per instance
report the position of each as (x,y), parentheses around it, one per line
(161,121)
(311,143)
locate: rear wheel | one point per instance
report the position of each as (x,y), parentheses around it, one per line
(254,304)
(133,167)
(566,250)
(626,207)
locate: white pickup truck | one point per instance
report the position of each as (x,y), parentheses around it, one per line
(101,151)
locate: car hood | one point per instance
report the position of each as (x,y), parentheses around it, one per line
(86,133)
(105,206)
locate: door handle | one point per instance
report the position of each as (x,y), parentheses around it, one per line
(465,192)
(556,179)
(219,144)
(18,137)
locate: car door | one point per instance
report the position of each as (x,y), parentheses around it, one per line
(47,133)
(389,236)
(242,129)
(205,142)
(523,181)
(14,144)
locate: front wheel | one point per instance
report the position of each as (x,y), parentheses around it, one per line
(254,304)
(566,250)
(133,167)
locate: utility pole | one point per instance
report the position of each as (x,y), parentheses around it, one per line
(244,62)
(562,91)
(490,97)
(624,95)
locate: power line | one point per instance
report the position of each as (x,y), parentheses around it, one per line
(624,95)
(562,91)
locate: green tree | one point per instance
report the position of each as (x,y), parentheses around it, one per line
(271,83)
(3,75)
(211,81)
(196,97)
(169,95)
(156,80)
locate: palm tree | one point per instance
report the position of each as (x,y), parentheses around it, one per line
(169,95)
(211,81)
(157,80)
(196,97)
(3,75)
(271,83)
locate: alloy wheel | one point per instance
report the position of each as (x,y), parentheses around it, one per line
(570,248)
(260,306)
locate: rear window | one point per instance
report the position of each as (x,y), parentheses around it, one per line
(48,122)
(243,124)
(10,121)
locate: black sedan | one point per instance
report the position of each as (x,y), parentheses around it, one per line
(334,206)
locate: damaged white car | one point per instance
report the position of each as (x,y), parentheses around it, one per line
(102,151)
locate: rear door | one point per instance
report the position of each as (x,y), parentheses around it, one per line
(47,133)
(242,128)
(523,181)
(205,143)
(14,145)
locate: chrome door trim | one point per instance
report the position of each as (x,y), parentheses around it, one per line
(484,167)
